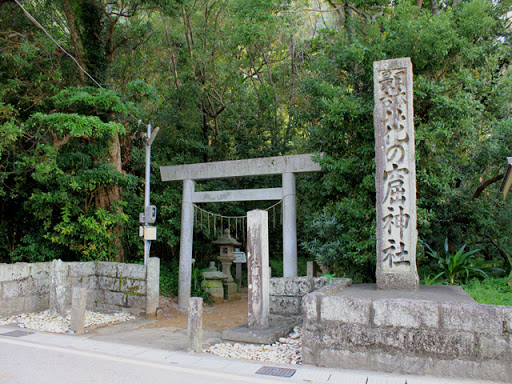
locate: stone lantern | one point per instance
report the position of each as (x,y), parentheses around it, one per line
(227,247)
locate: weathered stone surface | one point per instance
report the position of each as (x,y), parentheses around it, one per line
(131,286)
(93,296)
(495,347)
(42,286)
(454,343)
(35,303)
(58,286)
(341,359)
(81,269)
(135,301)
(507,314)
(406,313)
(132,271)
(285,305)
(395,175)
(39,271)
(109,283)
(312,269)
(258,269)
(17,271)
(311,307)
(12,306)
(17,288)
(231,292)
(115,298)
(282,320)
(404,364)
(488,371)
(319,282)
(391,338)
(78,304)
(290,286)
(478,318)
(89,282)
(106,268)
(152,286)
(346,309)
(216,289)
(195,324)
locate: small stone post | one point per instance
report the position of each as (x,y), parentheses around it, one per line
(258,269)
(395,175)
(195,324)
(152,286)
(58,276)
(78,303)
(312,269)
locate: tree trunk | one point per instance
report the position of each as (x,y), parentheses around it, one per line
(435,8)
(107,197)
(79,55)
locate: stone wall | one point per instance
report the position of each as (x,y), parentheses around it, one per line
(25,287)
(286,295)
(422,337)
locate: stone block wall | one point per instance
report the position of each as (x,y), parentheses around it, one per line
(448,339)
(286,295)
(25,287)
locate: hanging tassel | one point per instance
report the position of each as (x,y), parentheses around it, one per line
(236,228)
(214,226)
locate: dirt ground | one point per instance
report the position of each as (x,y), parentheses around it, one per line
(216,318)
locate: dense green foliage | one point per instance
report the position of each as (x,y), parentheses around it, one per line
(236,79)
(490,291)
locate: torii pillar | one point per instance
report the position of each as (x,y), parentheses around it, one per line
(287,166)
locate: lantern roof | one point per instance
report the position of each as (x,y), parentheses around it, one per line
(226,239)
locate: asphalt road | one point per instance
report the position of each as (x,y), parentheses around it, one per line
(28,363)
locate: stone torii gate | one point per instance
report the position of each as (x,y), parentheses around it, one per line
(287,166)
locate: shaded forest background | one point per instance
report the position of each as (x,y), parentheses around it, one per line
(238,79)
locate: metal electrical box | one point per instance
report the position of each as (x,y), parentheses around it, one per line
(149,233)
(150,214)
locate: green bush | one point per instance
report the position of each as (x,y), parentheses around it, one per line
(490,291)
(169,278)
(169,281)
(456,267)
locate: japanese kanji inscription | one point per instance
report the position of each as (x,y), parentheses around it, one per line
(395,175)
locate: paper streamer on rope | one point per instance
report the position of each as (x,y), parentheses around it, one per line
(215,217)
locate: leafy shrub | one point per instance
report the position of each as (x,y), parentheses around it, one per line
(456,267)
(169,281)
(490,291)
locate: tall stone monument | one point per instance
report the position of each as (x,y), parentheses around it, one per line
(395,175)
(257,269)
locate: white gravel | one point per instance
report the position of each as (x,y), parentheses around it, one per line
(46,322)
(287,350)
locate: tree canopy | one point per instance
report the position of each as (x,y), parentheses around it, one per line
(232,79)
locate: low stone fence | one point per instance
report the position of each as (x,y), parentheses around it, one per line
(31,287)
(286,295)
(409,336)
